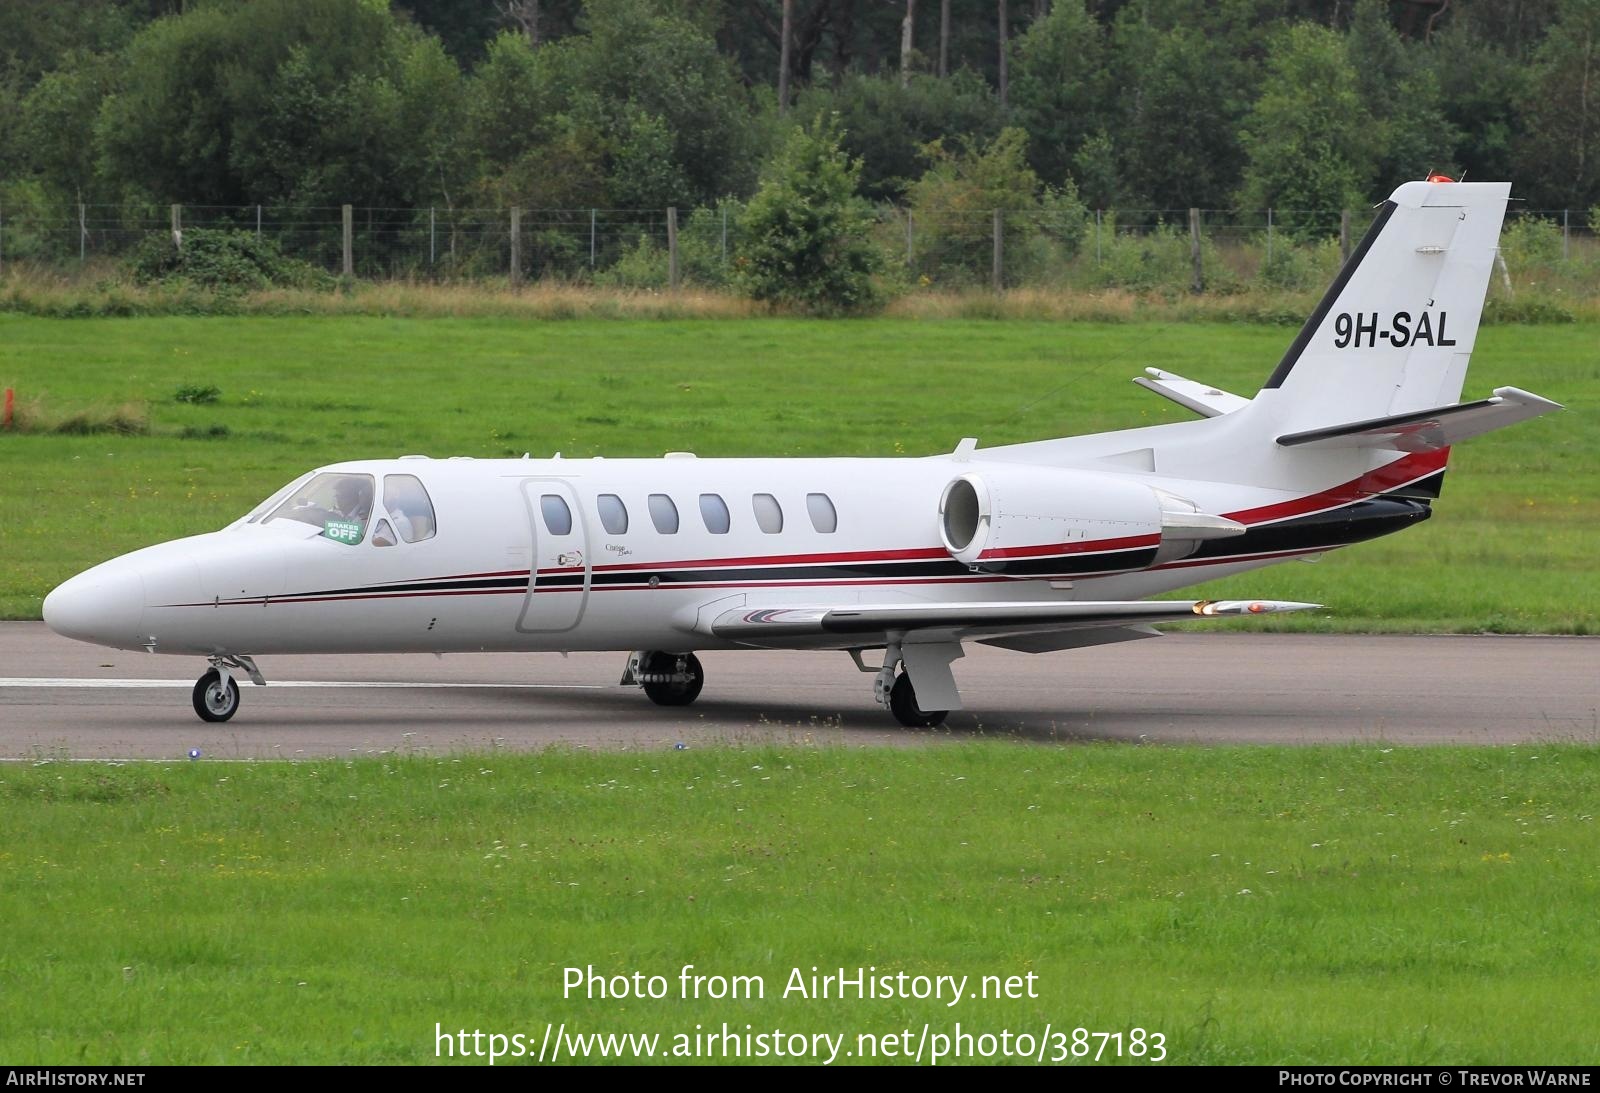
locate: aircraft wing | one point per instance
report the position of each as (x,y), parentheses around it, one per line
(847,626)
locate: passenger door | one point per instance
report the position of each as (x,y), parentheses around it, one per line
(560,569)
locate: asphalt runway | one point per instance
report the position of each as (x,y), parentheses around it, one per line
(63,699)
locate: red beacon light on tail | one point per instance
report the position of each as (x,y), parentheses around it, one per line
(1440,178)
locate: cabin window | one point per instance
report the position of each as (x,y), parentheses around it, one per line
(714,511)
(769,514)
(409,507)
(663,514)
(337,503)
(821,510)
(613,513)
(557,517)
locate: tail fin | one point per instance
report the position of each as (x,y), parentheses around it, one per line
(1394,332)
(1377,370)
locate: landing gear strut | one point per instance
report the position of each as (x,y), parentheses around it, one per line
(668,679)
(216,695)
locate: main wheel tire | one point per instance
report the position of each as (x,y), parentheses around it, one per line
(903,704)
(212,700)
(673,694)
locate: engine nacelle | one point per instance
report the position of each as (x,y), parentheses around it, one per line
(1053,522)
(1042,520)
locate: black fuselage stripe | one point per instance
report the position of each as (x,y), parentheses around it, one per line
(1352,523)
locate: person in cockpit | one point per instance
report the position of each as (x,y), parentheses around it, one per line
(352,499)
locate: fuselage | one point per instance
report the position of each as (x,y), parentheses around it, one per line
(598,554)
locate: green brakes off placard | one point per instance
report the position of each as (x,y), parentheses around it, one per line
(342,531)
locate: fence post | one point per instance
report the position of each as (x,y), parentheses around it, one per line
(516,247)
(1566,232)
(724,236)
(591,238)
(349,233)
(1097,214)
(672,247)
(433,237)
(2,243)
(1269,237)
(1198,284)
(1344,235)
(911,243)
(258,221)
(83,232)
(177,226)
(999,252)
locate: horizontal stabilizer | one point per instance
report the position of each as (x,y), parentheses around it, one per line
(856,625)
(1428,430)
(1203,399)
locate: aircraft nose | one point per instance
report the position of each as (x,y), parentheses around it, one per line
(103,605)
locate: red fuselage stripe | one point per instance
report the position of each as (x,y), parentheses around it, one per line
(1388,477)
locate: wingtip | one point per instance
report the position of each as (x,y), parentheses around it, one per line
(1251,607)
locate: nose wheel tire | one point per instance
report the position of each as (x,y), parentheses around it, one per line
(667,691)
(903,704)
(216,699)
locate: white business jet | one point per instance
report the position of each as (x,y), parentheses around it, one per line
(1035,547)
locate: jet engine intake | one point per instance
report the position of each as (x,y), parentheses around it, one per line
(1043,521)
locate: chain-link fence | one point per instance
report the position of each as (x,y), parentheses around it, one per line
(1209,250)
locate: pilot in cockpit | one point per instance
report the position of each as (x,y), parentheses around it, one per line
(352,499)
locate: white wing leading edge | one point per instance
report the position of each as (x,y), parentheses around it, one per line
(852,626)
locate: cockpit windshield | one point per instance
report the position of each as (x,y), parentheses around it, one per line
(338,503)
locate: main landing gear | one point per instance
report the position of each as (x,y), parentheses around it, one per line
(903,704)
(669,679)
(216,695)
(894,691)
(675,679)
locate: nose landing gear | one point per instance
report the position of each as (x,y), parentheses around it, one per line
(216,695)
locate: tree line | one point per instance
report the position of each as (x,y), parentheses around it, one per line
(1293,104)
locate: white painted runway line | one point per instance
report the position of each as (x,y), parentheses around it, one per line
(185,684)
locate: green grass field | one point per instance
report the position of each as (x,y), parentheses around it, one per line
(1511,547)
(1254,905)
